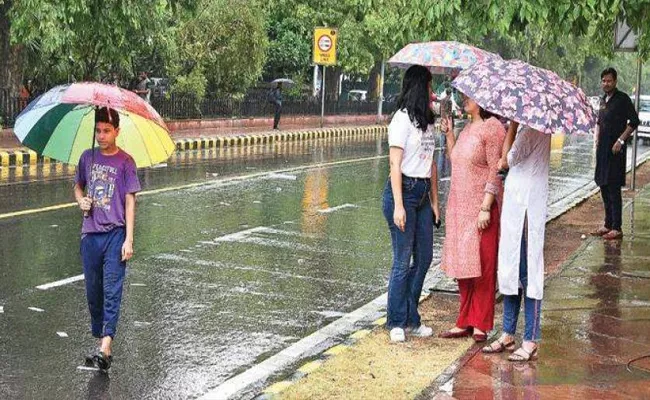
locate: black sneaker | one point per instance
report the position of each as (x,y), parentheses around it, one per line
(103,361)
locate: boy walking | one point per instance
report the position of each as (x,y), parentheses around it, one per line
(105,186)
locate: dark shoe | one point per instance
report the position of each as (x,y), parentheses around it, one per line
(613,235)
(103,361)
(479,337)
(455,335)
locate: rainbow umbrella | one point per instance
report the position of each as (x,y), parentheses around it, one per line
(440,57)
(60,124)
(532,96)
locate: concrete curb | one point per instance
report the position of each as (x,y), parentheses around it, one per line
(17,158)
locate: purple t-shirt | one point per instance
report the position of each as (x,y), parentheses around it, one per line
(111,179)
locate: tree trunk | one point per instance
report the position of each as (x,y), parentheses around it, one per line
(10,56)
(332,83)
(373,82)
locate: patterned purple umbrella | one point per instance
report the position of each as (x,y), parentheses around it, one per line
(529,95)
(440,57)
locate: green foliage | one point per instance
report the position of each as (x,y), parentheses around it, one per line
(193,84)
(226,39)
(84,38)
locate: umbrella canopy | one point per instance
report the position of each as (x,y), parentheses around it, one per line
(60,124)
(284,81)
(532,96)
(440,57)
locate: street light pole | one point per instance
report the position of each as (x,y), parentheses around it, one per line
(635,139)
(322,100)
(380,99)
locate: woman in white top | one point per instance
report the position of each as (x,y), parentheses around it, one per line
(521,245)
(410,201)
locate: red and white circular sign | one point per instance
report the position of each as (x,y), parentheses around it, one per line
(324,43)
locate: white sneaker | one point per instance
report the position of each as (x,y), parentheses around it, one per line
(420,331)
(397,335)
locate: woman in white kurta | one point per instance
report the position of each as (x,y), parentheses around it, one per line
(521,245)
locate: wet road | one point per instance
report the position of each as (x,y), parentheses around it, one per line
(227,271)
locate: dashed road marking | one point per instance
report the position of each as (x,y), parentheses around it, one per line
(341,207)
(36,309)
(61,282)
(62,334)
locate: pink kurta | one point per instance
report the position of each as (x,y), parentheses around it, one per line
(474,169)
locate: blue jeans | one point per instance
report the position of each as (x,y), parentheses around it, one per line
(412,251)
(104,272)
(532,307)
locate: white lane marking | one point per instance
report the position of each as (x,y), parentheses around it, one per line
(445,179)
(2,309)
(61,282)
(54,226)
(237,236)
(141,323)
(341,207)
(283,176)
(138,285)
(36,309)
(84,368)
(62,334)
(218,182)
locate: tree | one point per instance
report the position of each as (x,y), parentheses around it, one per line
(10,55)
(86,38)
(227,40)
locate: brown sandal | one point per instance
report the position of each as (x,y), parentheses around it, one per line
(522,355)
(510,346)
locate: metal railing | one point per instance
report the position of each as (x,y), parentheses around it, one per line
(176,107)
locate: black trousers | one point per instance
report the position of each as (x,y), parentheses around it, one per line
(276,119)
(613,206)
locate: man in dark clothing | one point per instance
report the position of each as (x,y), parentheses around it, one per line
(617,119)
(276,99)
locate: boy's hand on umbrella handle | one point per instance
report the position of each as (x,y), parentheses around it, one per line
(127,250)
(84,204)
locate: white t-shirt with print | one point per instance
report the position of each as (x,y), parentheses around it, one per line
(418,146)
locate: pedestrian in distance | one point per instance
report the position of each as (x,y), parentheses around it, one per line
(521,244)
(143,87)
(472,221)
(617,119)
(275,98)
(106,182)
(410,203)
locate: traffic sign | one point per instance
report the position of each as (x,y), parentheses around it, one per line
(325,46)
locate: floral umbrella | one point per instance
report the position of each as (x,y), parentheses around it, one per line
(532,96)
(440,57)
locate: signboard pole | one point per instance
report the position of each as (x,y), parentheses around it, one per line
(380,99)
(637,101)
(322,101)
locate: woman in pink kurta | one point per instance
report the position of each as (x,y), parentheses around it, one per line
(472,220)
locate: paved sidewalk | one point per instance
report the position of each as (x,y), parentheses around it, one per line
(595,320)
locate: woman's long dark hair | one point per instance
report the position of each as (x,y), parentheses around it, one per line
(414,97)
(484,114)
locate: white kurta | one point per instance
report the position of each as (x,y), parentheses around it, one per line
(525,194)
